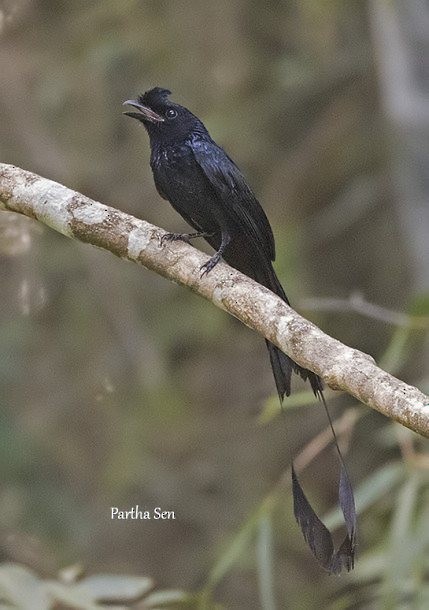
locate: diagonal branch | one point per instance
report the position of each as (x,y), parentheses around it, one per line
(342,367)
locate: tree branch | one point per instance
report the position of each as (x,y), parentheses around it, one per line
(357,303)
(342,367)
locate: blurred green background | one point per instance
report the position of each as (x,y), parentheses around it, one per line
(118,388)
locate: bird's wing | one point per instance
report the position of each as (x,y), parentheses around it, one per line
(240,203)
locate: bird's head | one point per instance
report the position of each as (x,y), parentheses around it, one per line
(162,118)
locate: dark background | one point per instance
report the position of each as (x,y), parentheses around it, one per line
(118,388)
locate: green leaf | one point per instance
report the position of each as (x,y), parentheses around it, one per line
(239,543)
(264,562)
(394,355)
(21,588)
(374,487)
(232,553)
(370,566)
(420,305)
(272,408)
(169,599)
(401,548)
(70,596)
(114,588)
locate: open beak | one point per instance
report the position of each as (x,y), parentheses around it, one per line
(144,113)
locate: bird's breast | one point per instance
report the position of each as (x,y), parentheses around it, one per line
(172,156)
(179,176)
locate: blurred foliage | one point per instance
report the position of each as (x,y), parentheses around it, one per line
(119,389)
(21,588)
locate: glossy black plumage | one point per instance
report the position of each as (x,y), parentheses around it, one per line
(208,190)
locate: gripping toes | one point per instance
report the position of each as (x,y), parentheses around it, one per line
(209,265)
(174,237)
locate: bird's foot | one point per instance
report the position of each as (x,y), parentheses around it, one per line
(210,264)
(174,237)
(186,237)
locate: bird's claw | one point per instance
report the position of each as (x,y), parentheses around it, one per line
(204,270)
(174,237)
(209,265)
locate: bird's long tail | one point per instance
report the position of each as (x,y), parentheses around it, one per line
(282,366)
(317,536)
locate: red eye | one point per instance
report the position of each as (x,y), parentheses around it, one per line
(171,113)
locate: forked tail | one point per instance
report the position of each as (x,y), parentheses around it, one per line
(316,534)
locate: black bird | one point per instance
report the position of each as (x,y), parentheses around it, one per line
(207,189)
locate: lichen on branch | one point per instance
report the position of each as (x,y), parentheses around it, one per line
(340,366)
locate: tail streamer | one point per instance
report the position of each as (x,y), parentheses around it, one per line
(315,533)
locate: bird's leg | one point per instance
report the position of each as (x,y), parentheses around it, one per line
(213,261)
(186,237)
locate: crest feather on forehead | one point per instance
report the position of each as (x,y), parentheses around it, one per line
(154,96)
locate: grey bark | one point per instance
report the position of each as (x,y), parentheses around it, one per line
(341,367)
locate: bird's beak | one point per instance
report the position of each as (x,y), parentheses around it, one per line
(144,112)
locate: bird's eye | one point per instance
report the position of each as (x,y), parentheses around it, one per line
(171,113)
